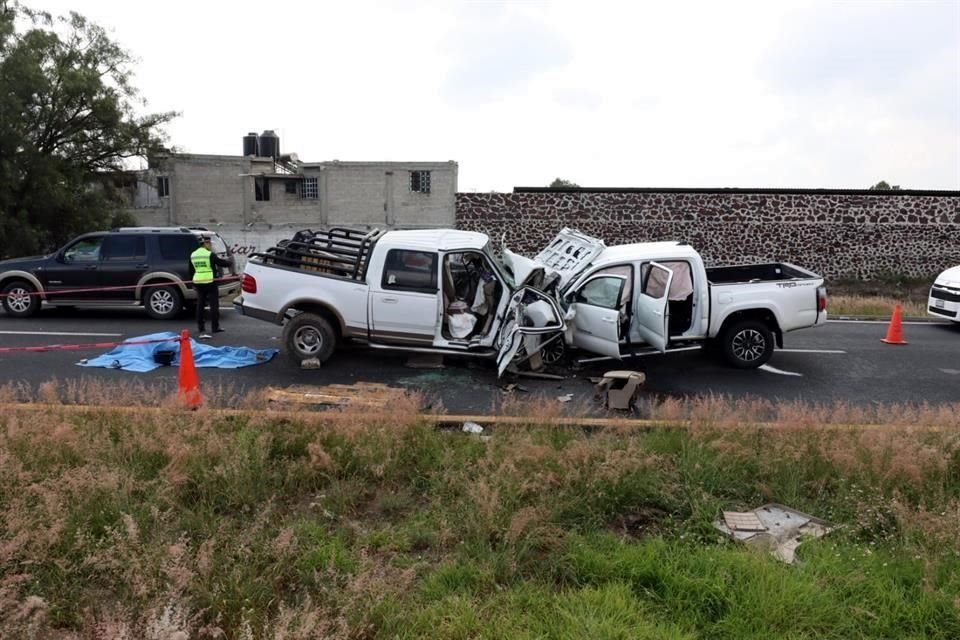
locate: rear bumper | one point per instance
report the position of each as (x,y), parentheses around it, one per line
(259,314)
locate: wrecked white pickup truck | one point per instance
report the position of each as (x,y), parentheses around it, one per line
(657,297)
(446,291)
(437,291)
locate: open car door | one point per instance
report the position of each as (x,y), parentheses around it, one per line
(599,314)
(530,313)
(651,318)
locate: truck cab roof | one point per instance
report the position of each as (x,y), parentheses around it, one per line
(435,239)
(648,250)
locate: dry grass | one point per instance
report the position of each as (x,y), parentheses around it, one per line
(874,306)
(347,524)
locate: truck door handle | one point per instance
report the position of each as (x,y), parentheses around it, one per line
(609,320)
(91,267)
(389,300)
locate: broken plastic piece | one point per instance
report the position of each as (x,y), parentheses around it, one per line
(472,427)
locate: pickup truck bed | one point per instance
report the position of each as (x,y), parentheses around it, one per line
(338,251)
(768,272)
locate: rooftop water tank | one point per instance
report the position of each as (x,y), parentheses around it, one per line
(250,146)
(269,144)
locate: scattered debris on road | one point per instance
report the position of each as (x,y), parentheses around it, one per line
(620,388)
(424,361)
(367,394)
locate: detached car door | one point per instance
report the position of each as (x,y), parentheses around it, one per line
(651,314)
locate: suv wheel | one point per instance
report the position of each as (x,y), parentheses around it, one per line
(20,299)
(163,303)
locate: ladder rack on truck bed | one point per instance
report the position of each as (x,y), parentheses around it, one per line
(338,251)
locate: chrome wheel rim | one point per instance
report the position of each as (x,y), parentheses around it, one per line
(18,299)
(161,302)
(307,340)
(749,345)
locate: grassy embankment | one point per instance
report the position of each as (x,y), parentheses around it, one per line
(876,298)
(168,524)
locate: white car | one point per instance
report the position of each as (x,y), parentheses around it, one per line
(944,299)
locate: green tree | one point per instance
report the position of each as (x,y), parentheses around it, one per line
(68,124)
(560,183)
(883,186)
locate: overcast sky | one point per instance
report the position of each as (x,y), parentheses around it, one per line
(604,93)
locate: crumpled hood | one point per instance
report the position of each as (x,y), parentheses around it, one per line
(950,277)
(526,271)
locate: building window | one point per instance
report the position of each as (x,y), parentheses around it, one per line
(261,188)
(420,181)
(291,187)
(163,186)
(309,189)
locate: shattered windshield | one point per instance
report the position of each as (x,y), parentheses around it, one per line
(497,258)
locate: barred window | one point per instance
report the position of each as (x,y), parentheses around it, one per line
(309,189)
(163,186)
(420,181)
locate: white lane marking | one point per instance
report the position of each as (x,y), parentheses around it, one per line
(56,333)
(913,322)
(952,372)
(767,367)
(810,351)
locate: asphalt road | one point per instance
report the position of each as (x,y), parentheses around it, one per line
(842,361)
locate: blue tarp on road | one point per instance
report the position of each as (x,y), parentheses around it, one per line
(140,357)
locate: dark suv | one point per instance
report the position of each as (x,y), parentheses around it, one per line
(146,266)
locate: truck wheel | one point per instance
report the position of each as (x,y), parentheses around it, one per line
(308,335)
(20,299)
(747,344)
(163,303)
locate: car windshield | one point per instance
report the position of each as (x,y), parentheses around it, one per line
(497,258)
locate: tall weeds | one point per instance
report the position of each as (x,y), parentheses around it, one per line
(351,524)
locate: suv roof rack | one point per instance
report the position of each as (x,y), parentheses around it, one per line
(156,229)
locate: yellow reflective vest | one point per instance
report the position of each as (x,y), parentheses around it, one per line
(202,266)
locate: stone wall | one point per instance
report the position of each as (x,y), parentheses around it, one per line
(839,234)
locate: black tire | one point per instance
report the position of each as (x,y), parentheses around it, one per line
(20,299)
(555,352)
(163,303)
(308,335)
(747,344)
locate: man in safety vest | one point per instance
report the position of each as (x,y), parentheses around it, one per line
(204,269)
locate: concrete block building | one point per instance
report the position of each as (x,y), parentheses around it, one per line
(261,196)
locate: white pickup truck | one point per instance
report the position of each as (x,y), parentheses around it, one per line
(446,291)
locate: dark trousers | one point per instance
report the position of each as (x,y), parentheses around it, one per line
(208,294)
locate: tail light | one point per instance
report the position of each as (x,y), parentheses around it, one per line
(821,299)
(249,284)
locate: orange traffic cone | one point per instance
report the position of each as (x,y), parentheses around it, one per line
(187,375)
(895,331)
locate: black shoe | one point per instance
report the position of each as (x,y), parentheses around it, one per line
(219,330)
